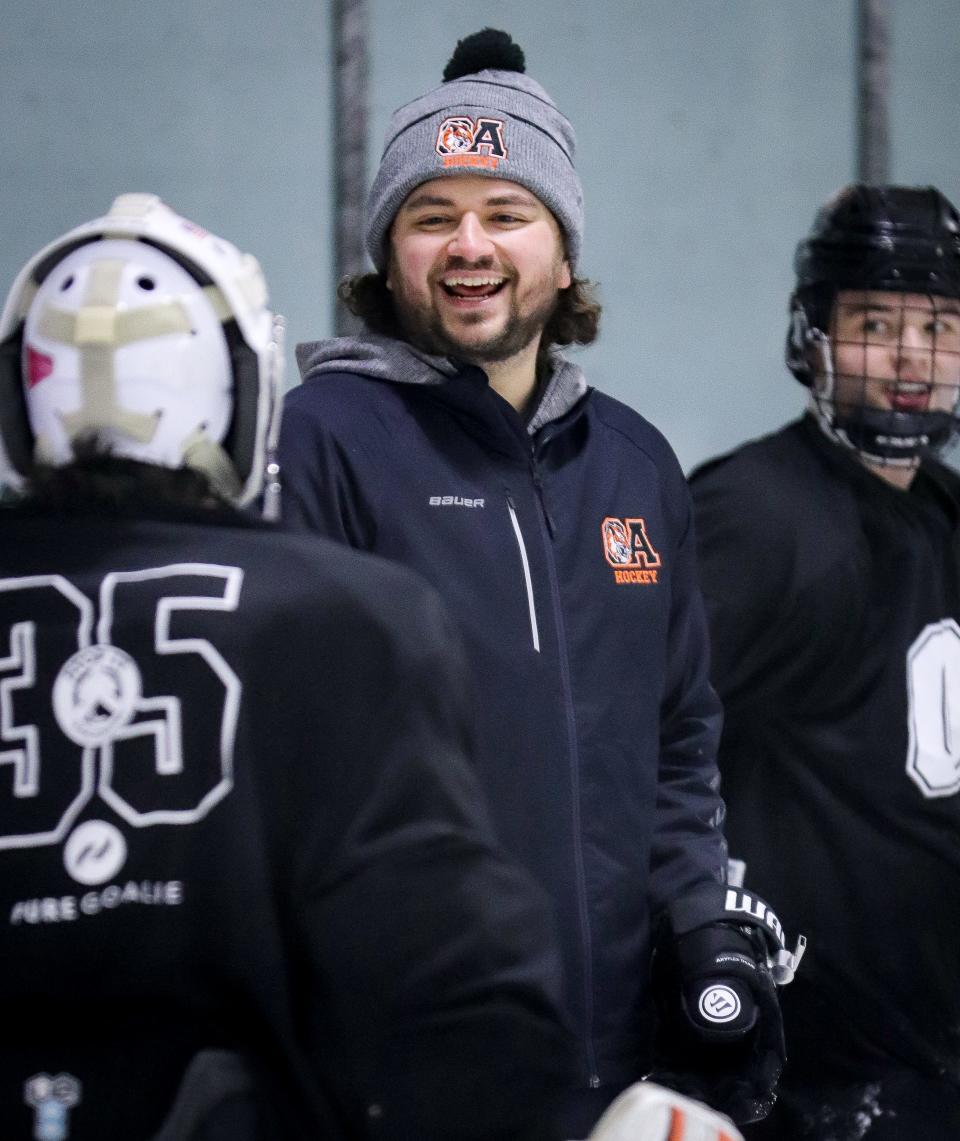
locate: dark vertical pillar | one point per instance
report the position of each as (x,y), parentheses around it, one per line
(873,91)
(350,145)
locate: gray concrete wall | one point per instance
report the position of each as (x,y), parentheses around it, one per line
(709,131)
(222,107)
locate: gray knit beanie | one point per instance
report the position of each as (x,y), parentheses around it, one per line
(486,118)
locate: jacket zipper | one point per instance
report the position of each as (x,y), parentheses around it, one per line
(548,534)
(534,630)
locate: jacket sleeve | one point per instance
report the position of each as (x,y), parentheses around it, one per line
(688,845)
(433,958)
(320,490)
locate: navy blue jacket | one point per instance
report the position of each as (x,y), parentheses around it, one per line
(565,551)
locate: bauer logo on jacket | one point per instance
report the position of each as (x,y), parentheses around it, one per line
(627,548)
(462,141)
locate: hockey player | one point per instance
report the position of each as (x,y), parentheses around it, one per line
(829,558)
(556,523)
(248,886)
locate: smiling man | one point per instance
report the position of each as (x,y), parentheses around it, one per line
(475,270)
(557,525)
(829,559)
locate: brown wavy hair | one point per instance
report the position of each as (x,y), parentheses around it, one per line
(575,320)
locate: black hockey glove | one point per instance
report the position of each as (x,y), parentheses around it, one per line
(720,1033)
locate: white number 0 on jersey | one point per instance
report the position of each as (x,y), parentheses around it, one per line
(149,728)
(933,709)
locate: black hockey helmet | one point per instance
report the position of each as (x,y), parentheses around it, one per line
(897,238)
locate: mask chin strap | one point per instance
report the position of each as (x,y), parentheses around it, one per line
(205,455)
(818,375)
(823,385)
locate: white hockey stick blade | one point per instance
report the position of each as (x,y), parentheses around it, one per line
(648,1112)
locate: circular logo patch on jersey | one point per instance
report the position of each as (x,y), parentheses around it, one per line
(719,1004)
(95,694)
(95,852)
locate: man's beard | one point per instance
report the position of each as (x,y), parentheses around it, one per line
(423,327)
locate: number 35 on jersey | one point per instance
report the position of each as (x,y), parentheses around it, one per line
(123,698)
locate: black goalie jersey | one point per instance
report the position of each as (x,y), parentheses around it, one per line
(834,610)
(236,817)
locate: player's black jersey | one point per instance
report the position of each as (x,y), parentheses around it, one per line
(235,813)
(834,602)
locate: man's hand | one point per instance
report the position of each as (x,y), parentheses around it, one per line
(720,1033)
(723,979)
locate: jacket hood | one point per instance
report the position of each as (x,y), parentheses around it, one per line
(384,358)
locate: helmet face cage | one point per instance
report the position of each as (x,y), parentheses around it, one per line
(84,348)
(875,321)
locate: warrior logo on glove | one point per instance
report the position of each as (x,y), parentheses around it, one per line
(720,1034)
(719,1004)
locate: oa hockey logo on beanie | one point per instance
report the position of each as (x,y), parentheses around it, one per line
(461,141)
(485,109)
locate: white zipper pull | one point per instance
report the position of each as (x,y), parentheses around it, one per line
(534,631)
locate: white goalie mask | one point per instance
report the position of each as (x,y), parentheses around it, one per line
(120,340)
(151,335)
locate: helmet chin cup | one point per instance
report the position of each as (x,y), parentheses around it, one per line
(894,438)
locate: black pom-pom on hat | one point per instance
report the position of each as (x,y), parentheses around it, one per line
(489,49)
